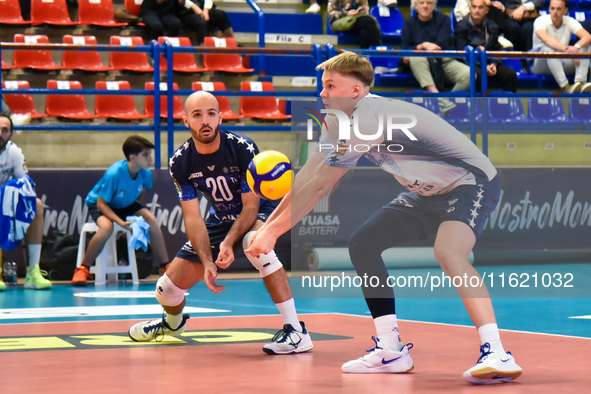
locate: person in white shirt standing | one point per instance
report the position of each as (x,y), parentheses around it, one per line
(552,33)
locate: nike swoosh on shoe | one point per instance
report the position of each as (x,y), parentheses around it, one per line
(384,361)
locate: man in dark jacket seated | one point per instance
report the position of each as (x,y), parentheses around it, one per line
(480,32)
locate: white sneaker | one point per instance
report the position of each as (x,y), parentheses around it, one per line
(574,88)
(20,119)
(493,367)
(313,9)
(155,329)
(288,341)
(381,360)
(586,88)
(506,44)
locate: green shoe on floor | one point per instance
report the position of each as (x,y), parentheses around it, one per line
(35,279)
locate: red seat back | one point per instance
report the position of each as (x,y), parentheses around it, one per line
(39,59)
(10,13)
(97,12)
(260,107)
(20,103)
(71,106)
(133,61)
(223,62)
(51,12)
(177,102)
(82,60)
(133,6)
(183,62)
(115,106)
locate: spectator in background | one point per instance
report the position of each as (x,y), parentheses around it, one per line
(12,166)
(480,32)
(431,31)
(496,13)
(169,16)
(216,19)
(552,33)
(366,27)
(520,22)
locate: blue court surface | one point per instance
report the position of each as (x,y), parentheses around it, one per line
(247,297)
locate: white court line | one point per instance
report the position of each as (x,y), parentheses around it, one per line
(580,317)
(86,311)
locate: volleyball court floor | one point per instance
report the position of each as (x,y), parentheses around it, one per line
(72,340)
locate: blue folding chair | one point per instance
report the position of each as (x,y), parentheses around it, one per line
(390,20)
(429,103)
(461,114)
(579,110)
(547,110)
(504,109)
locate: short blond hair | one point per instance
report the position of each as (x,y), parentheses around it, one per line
(350,64)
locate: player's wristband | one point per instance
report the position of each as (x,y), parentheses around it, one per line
(577,46)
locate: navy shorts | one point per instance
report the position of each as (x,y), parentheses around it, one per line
(470,204)
(131,210)
(217,233)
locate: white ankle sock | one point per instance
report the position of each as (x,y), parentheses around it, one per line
(489,333)
(34,254)
(174,321)
(289,314)
(388,334)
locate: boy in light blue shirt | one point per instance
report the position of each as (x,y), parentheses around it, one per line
(115,197)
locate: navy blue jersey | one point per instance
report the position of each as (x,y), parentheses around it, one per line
(220,177)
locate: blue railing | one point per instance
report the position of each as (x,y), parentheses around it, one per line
(318,54)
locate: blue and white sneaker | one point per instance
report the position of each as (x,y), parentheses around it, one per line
(156,329)
(493,367)
(288,341)
(380,360)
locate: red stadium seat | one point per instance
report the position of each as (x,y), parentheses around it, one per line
(98,13)
(223,62)
(260,107)
(50,12)
(20,103)
(4,65)
(133,6)
(39,59)
(177,102)
(70,106)
(115,106)
(131,61)
(10,13)
(82,60)
(182,62)
(223,101)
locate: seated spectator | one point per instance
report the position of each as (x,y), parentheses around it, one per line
(216,19)
(552,33)
(166,17)
(431,31)
(366,27)
(520,22)
(496,13)
(482,33)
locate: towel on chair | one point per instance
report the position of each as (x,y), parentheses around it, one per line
(140,237)
(18,206)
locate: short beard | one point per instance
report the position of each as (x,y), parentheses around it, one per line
(209,140)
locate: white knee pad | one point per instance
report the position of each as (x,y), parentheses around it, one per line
(167,293)
(265,263)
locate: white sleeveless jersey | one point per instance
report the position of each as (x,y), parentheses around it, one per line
(12,163)
(423,152)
